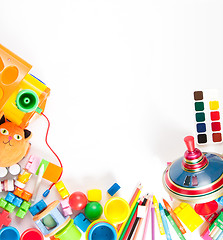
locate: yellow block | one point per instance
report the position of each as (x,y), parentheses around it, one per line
(188,216)
(94,195)
(214,105)
(24,177)
(62,189)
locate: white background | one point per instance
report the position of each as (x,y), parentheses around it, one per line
(122,75)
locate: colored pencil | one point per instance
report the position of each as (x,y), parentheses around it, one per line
(133,213)
(133,199)
(141,219)
(130,226)
(158,216)
(153,222)
(136,221)
(147,218)
(174,216)
(131,208)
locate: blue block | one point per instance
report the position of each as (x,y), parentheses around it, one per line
(10,197)
(38,207)
(82,222)
(34,210)
(113,189)
(17,201)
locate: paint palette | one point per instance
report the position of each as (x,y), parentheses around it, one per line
(207,117)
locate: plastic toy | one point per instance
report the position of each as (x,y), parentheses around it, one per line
(206,209)
(23,209)
(5,220)
(7,185)
(9,233)
(70,231)
(51,171)
(66,207)
(23,178)
(113,189)
(188,216)
(25,195)
(77,201)
(14,143)
(38,207)
(116,210)
(7,205)
(10,197)
(196,177)
(33,164)
(15,169)
(93,210)
(62,189)
(94,195)
(101,230)
(3,172)
(32,233)
(82,222)
(60,221)
(12,70)
(28,98)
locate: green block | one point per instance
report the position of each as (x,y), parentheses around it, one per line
(200,117)
(199,106)
(10,207)
(21,213)
(3,203)
(43,162)
(25,206)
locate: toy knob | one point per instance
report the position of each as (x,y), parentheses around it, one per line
(27,100)
(189,141)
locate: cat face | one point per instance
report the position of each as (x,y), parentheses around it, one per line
(14,143)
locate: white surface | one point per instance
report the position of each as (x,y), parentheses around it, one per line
(122,74)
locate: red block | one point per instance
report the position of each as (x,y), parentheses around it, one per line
(5,220)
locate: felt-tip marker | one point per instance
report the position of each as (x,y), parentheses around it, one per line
(165,224)
(180,235)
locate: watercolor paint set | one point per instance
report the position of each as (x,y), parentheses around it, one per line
(208,119)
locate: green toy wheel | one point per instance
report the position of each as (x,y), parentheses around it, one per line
(27,100)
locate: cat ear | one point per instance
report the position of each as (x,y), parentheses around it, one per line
(27,134)
(2,120)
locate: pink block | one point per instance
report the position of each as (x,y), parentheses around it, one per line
(67,212)
(33,164)
(66,207)
(65,203)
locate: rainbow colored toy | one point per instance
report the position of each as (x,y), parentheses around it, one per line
(195,178)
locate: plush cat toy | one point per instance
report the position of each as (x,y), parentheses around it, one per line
(14,143)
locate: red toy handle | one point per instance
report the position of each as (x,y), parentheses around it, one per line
(189,141)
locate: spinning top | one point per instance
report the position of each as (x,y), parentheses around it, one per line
(195,178)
